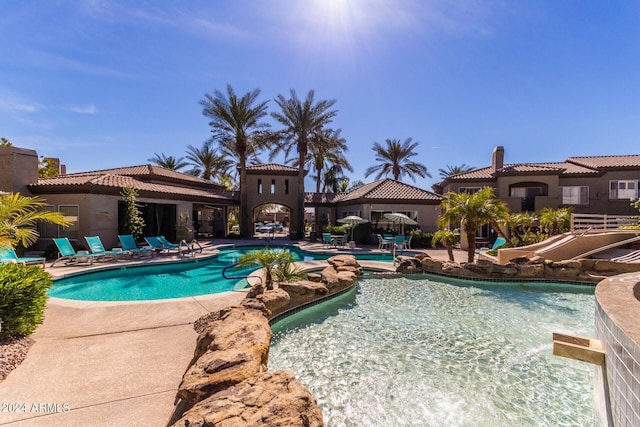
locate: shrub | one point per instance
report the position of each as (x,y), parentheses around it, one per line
(421,239)
(23,294)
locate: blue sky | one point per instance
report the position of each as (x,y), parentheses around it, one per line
(109,83)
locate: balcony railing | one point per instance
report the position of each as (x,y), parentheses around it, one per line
(581,222)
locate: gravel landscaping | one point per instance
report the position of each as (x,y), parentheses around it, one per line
(12,352)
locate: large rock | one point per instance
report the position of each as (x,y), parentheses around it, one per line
(267,399)
(408,265)
(303,292)
(276,300)
(231,349)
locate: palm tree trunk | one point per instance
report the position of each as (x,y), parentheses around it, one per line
(450,251)
(316,225)
(302,152)
(471,250)
(245,218)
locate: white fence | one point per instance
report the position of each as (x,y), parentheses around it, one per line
(601,222)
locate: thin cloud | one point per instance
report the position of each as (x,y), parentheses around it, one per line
(87,109)
(12,102)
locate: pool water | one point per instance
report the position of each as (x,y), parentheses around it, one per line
(177,280)
(412,351)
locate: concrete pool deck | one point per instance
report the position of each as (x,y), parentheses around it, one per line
(113,363)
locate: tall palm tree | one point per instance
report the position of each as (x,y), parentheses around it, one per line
(237,123)
(168,162)
(472,211)
(19,216)
(206,163)
(454,170)
(395,160)
(326,153)
(301,119)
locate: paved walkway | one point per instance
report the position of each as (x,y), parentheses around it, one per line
(110,364)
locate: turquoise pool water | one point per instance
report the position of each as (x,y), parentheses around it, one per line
(152,282)
(414,351)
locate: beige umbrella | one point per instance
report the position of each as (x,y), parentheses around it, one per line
(400,218)
(352,221)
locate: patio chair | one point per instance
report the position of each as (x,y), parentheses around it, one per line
(499,242)
(156,243)
(69,255)
(327,240)
(383,243)
(9,255)
(399,242)
(129,245)
(345,240)
(96,247)
(407,241)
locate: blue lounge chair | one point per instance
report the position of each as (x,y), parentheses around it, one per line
(69,255)
(7,254)
(96,247)
(498,243)
(156,243)
(129,244)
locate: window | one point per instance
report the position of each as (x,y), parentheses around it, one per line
(71,213)
(273,186)
(576,195)
(623,189)
(46,229)
(286,186)
(259,186)
(469,190)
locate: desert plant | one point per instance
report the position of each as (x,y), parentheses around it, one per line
(23,294)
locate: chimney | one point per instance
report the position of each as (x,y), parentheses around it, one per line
(497,162)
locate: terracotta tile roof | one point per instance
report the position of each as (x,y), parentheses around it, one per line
(562,168)
(607,162)
(321,197)
(272,167)
(111,182)
(149,171)
(388,189)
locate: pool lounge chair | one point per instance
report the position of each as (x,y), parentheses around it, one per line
(128,244)
(160,244)
(9,255)
(96,247)
(498,243)
(69,255)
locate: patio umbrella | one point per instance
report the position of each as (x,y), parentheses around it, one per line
(352,221)
(399,218)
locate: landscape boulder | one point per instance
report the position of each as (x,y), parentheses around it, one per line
(267,399)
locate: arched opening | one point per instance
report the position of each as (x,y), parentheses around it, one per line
(272,220)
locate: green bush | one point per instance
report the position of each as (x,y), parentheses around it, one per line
(421,240)
(23,294)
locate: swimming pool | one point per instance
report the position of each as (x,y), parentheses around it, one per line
(175,280)
(418,351)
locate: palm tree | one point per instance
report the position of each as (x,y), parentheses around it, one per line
(472,211)
(206,163)
(277,263)
(237,124)
(301,119)
(395,160)
(555,220)
(168,162)
(19,216)
(447,238)
(454,170)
